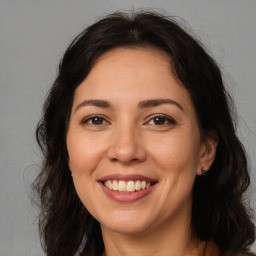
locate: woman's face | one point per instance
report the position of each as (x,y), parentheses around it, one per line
(134,143)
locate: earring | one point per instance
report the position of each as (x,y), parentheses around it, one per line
(203,171)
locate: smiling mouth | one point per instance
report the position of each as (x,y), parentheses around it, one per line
(130,186)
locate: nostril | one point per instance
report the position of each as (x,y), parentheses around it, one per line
(114,159)
(126,153)
(128,161)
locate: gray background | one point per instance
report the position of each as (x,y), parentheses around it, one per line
(33,37)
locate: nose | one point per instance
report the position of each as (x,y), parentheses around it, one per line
(125,147)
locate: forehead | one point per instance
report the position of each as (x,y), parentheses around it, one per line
(129,74)
(150,54)
(137,61)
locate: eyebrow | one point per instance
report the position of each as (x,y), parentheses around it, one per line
(157,102)
(96,103)
(142,105)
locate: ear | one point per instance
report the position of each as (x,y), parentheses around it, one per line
(207,152)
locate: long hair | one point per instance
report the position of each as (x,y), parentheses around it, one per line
(219,211)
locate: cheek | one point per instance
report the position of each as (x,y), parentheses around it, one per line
(84,157)
(176,158)
(176,152)
(84,153)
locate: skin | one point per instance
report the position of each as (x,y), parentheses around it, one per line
(128,140)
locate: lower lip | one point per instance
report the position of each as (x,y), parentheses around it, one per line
(126,197)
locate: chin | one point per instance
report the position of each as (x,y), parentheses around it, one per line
(127,229)
(129,225)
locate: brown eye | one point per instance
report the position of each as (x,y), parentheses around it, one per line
(94,120)
(161,120)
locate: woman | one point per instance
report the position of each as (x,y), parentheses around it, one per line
(141,154)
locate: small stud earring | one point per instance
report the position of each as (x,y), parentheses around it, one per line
(203,171)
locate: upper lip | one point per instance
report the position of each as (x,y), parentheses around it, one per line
(126,177)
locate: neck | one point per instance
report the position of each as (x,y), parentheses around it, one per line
(173,238)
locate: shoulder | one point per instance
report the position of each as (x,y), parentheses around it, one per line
(207,248)
(240,253)
(213,249)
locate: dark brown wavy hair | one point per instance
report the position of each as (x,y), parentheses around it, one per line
(219,209)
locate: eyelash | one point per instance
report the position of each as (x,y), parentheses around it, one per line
(88,119)
(167,120)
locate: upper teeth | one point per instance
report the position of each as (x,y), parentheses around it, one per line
(126,186)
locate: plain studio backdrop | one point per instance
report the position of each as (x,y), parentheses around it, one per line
(33,37)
